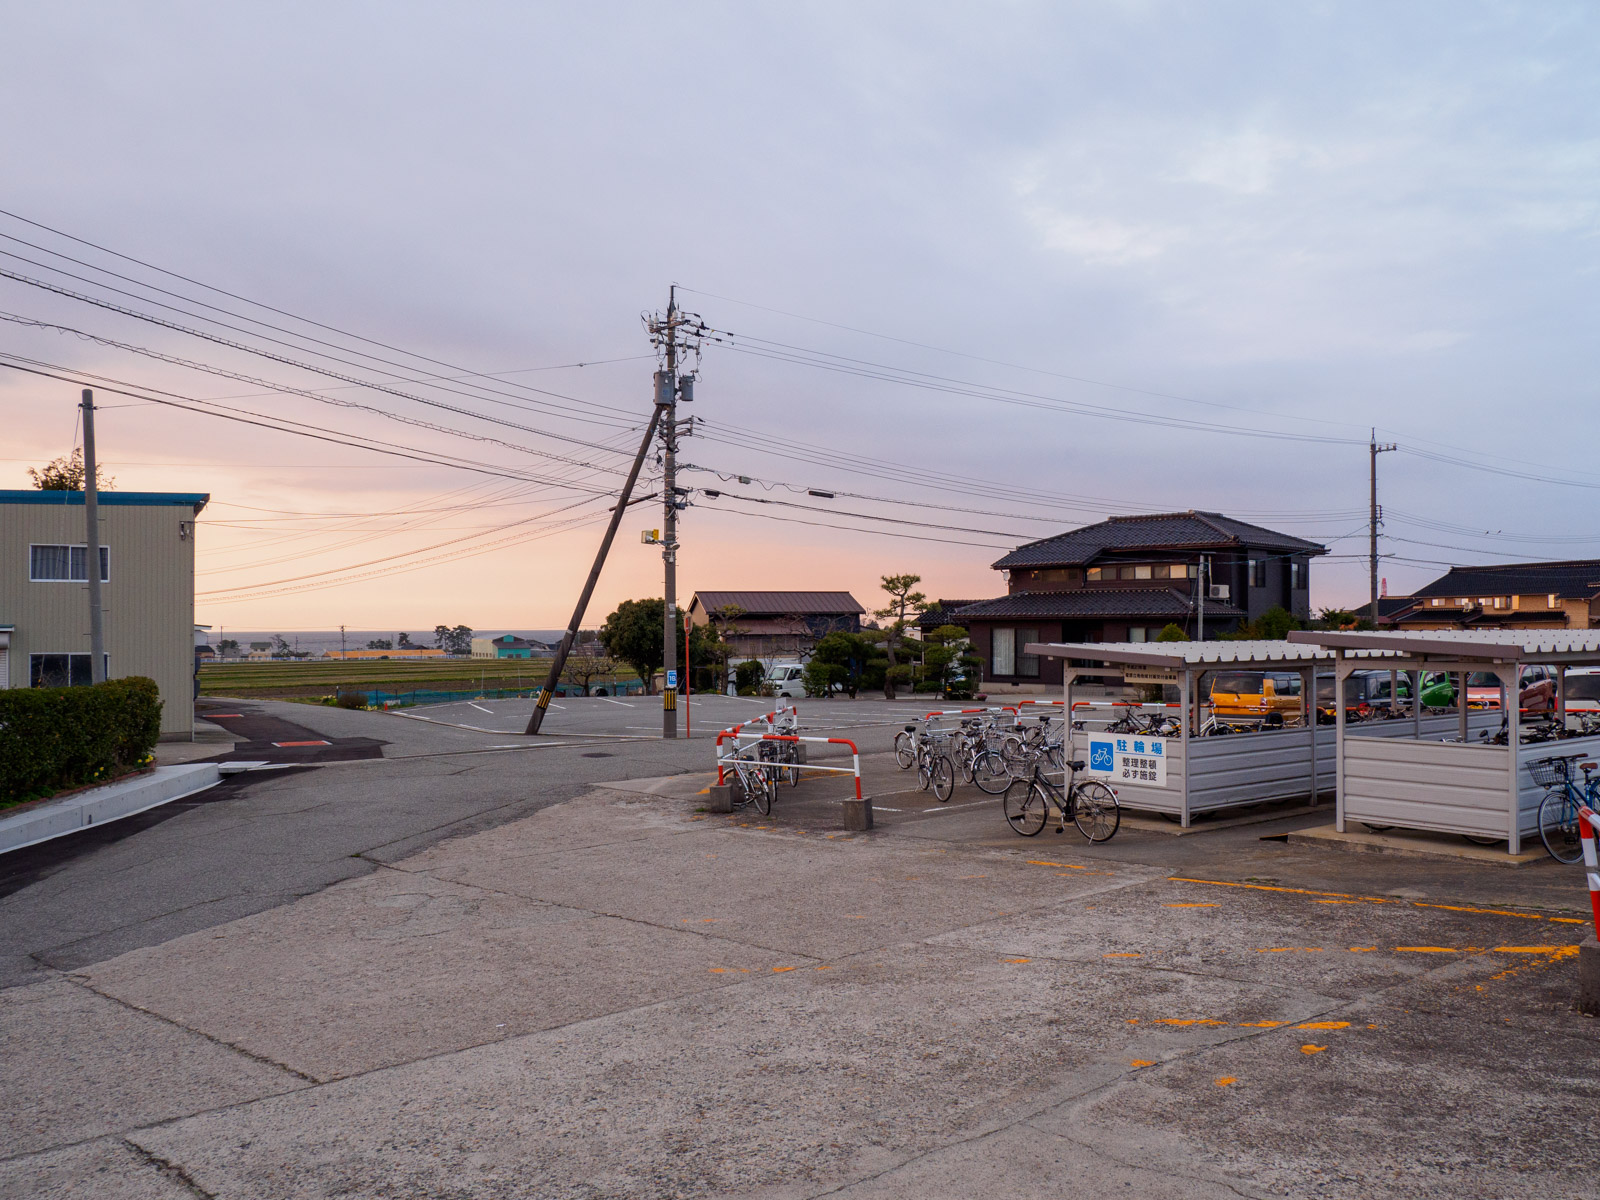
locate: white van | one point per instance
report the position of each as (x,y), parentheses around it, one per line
(786,680)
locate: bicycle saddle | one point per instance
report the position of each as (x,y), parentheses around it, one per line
(1587,766)
(1076,764)
(911,728)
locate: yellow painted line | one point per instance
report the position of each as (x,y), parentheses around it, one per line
(1352,897)
(781,970)
(1226,1080)
(1261,1024)
(1189,1021)
(1426,950)
(1193,904)
(1324,1025)
(1123,954)
(1039,862)
(1276,950)
(1530,949)
(1016,960)
(1361,949)
(1142,1062)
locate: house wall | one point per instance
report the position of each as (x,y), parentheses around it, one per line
(148,600)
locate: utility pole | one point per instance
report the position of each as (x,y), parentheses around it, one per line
(1200,595)
(91,551)
(1374,515)
(341,643)
(670,388)
(559,663)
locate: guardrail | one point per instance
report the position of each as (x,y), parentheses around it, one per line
(756,738)
(1588,823)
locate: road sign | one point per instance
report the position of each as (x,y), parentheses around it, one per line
(672,679)
(1128,758)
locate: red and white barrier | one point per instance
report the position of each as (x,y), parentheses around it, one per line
(1588,823)
(754,738)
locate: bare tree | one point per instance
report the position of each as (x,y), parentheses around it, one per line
(582,669)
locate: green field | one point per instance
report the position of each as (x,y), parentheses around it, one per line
(322,677)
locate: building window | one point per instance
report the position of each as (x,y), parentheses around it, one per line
(1142,571)
(1003,652)
(1027,664)
(62,670)
(65,564)
(1297,576)
(1551,600)
(1096,574)
(1136,633)
(1258,572)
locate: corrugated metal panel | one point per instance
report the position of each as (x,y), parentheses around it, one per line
(1505,644)
(1427,785)
(1148,798)
(1180,654)
(1249,768)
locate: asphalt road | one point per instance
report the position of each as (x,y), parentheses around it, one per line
(622,995)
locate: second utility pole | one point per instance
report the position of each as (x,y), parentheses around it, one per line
(1372,522)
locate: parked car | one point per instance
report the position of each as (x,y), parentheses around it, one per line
(1256,694)
(786,679)
(1365,692)
(1538,692)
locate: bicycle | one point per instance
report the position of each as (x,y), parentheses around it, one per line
(1559,820)
(935,767)
(1088,804)
(757,781)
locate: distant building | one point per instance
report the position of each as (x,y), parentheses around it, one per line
(147,575)
(774,626)
(1533,595)
(509,645)
(1124,580)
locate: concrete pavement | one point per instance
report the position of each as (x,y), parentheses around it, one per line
(620,995)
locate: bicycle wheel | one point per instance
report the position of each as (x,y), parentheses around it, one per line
(1018,758)
(1558,826)
(924,774)
(762,788)
(905,753)
(1026,806)
(990,774)
(964,764)
(943,777)
(1095,811)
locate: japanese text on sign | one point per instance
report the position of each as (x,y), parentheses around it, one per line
(1129,759)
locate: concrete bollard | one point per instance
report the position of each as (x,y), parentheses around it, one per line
(858,814)
(720,798)
(1589,976)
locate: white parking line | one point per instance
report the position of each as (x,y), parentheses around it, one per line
(609,700)
(944,808)
(480,708)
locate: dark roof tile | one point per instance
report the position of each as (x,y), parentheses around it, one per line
(1098,602)
(782,604)
(1157,531)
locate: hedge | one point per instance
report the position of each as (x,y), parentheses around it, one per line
(56,738)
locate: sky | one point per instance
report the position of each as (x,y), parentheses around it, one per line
(984,273)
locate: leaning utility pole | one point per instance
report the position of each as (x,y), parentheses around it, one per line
(1374,515)
(91,549)
(565,648)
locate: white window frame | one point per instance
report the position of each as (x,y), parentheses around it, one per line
(69,547)
(69,655)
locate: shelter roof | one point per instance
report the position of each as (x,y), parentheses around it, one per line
(1187,654)
(1192,530)
(1492,645)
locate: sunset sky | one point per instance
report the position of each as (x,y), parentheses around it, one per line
(994,270)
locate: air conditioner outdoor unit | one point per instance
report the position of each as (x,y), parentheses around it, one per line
(1218,591)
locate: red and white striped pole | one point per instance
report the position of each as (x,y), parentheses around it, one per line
(1587,822)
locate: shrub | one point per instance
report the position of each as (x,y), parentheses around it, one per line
(56,738)
(352,700)
(747,676)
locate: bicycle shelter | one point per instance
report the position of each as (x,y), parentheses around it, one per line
(1205,774)
(1449,781)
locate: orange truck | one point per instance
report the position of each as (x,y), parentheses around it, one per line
(1257,694)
